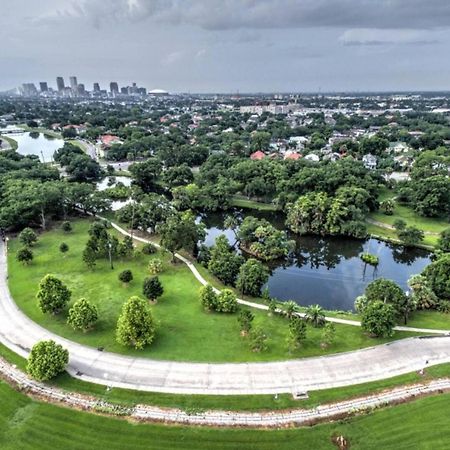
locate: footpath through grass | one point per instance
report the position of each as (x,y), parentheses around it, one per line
(28,424)
(185,332)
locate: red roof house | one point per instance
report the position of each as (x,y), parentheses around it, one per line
(258,155)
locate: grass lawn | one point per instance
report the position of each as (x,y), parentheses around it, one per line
(185,332)
(51,133)
(242,202)
(28,424)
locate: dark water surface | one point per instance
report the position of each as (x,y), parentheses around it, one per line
(329,271)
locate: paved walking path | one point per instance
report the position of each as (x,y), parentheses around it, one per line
(20,333)
(149,413)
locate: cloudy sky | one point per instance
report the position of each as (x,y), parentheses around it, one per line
(229,45)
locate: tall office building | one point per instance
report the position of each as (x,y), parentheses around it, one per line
(96,87)
(114,87)
(29,90)
(60,84)
(43,86)
(73,83)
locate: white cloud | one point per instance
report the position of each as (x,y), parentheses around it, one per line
(372,36)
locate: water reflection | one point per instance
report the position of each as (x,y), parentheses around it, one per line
(328,270)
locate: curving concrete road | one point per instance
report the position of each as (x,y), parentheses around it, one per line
(19,333)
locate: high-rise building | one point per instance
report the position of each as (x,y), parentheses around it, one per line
(81,89)
(114,87)
(43,86)
(73,83)
(29,90)
(96,87)
(60,84)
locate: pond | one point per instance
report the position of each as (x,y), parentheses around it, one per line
(108,182)
(34,143)
(328,271)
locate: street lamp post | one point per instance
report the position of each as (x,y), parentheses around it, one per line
(110,254)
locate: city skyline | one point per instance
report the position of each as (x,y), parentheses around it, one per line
(230,46)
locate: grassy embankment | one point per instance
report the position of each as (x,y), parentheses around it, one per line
(28,424)
(12,142)
(185,333)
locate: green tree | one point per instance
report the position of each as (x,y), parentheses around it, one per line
(399,225)
(378,319)
(181,231)
(290,308)
(443,243)
(438,276)
(226,301)
(24,255)
(315,315)
(252,276)
(224,263)
(145,175)
(245,320)
(126,276)
(411,236)
(135,327)
(89,257)
(258,340)
(387,206)
(63,247)
(66,226)
(208,298)
(297,332)
(47,359)
(152,288)
(126,248)
(27,237)
(387,291)
(422,294)
(328,334)
(155,266)
(149,249)
(52,295)
(82,315)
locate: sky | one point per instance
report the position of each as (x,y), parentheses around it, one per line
(229,45)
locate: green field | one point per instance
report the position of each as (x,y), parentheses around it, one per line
(185,332)
(28,424)
(243,202)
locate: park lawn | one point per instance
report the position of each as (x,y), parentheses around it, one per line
(391,236)
(185,332)
(242,202)
(30,424)
(51,133)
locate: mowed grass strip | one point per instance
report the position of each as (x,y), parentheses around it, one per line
(185,331)
(28,424)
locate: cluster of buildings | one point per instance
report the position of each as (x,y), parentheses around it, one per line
(76,89)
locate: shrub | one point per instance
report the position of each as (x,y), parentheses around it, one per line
(208,297)
(152,288)
(135,327)
(155,266)
(24,255)
(63,248)
(370,259)
(258,340)
(226,301)
(378,319)
(47,359)
(126,276)
(149,249)
(82,315)
(252,276)
(245,320)
(52,295)
(66,226)
(27,237)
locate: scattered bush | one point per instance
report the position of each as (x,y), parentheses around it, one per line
(126,276)
(47,359)
(24,255)
(66,226)
(155,266)
(82,315)
(226,301)
(27,237)
(63,248)
(152,288)
(373,260)
(149,249)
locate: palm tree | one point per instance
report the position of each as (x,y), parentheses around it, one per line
(315,315)
(290,308)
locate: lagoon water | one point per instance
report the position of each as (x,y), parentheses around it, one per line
(329,271)
(34,143)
